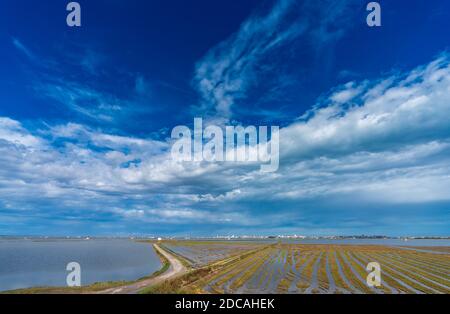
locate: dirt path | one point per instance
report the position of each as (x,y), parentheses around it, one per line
(176,269)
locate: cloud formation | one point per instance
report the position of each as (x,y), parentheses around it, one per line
(387,143)
(370,154)
(229,70)
(77,94)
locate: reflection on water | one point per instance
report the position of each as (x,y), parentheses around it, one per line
(388,242)
(29,263)
(396,242)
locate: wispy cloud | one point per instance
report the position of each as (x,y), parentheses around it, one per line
(92,61)
(383,143)
(22,48)
(87,102)
(78,95)
(224,74)
(390,147)
(229,70)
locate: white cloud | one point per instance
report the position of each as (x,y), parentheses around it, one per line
(13,132)
(346,94)
(400,110)
(229,70)
(391,146)
(78,95)
(21,47)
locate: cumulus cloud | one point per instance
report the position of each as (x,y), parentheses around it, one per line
(389,113)
(388,144)
(72,167)
(12,131)
(383,143)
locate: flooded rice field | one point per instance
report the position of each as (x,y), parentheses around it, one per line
(202,253)
(311,268)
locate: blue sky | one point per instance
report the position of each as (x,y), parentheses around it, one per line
(86,115)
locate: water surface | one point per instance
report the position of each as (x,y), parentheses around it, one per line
(387,242)
(30,263)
